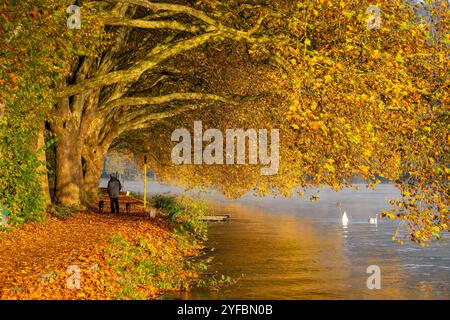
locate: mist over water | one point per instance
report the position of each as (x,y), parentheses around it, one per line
(282,248)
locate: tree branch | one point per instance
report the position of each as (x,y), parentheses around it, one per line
(160,54)
(143,121)
(180,96)
(145,24)
(177,8)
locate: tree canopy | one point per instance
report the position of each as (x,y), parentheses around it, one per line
(348,100)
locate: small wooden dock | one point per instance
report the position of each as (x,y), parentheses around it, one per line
(217,218)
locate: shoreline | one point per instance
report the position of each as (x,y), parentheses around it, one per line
(93,256)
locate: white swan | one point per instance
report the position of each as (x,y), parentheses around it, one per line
(345,218)
(374,220)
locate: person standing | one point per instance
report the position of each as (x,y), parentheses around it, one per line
(114,187)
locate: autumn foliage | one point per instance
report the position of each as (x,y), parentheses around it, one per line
(119,257)
(350,101)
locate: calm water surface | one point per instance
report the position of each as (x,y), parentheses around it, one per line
(281,248)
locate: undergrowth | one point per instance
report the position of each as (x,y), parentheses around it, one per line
(186,211)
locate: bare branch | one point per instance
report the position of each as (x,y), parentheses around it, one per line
(177,8)
(180,96)
(145,24)
(161,54)
(142,122)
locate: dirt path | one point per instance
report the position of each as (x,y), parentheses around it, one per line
(33,255)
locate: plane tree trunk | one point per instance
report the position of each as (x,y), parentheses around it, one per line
(68,171)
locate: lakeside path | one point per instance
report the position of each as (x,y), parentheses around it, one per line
(34,258)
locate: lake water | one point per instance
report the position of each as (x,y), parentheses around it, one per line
(280,248)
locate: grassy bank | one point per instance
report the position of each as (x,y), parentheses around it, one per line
(186,213)
(146,265)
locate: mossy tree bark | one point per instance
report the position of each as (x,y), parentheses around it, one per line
(68,171)
(40,147)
